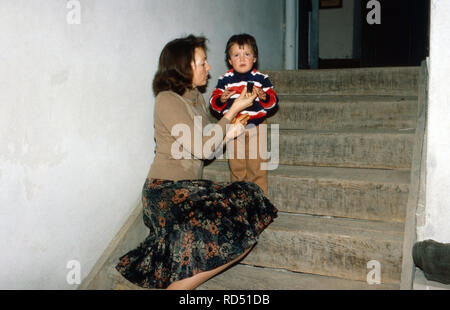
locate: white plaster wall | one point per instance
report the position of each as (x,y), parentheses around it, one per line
(437,211)
(76,118)
(336,32)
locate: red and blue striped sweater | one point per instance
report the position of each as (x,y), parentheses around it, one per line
(235,81)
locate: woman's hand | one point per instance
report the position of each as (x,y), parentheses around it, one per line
(244,101)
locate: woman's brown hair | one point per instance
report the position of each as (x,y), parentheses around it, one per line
(174,69)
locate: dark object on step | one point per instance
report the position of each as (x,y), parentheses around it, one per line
(434,259)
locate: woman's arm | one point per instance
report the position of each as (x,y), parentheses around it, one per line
(173,116)
(187,130)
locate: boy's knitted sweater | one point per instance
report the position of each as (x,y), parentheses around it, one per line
(235,81)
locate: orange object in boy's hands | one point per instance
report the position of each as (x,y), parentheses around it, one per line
(261,94)
(237,127)
(242,118)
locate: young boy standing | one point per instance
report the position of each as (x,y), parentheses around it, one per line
(242,58)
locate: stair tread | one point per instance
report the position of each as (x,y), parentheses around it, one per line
(332,173)
(246,277)
(396,81)
(359,131)
(345,112)
(361,229)
(335,247)
(341,70)
(292,98)
(383,149)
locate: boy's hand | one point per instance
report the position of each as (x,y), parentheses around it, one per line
(226,95)
(261,94)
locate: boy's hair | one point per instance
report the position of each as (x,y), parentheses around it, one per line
(240,40)
(174,69)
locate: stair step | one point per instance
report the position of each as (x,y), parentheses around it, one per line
(393,81)
(246,277)
(328,112)
(341,192)
(330,246)
(359,149)
(382,149)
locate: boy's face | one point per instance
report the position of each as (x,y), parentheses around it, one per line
(241,58)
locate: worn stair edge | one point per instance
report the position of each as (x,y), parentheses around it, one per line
(400,176)
(247,277)
(345,112)
(395,81)
(339,99)
(341,192)
(330,246)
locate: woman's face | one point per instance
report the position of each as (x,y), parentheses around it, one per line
(200,68)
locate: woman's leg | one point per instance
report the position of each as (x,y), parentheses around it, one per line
(194,281)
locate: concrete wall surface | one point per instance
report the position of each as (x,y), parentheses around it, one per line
(437,212)
(76,118)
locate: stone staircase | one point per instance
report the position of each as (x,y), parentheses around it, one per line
(346,143)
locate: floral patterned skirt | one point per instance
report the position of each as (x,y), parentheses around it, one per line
(195,226)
